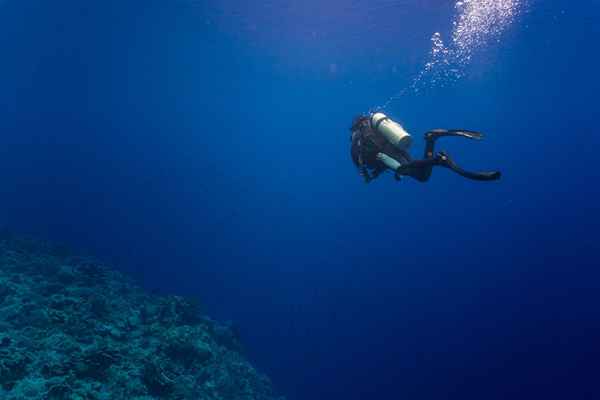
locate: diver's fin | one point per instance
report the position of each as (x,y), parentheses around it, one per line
(445,161)
(437,133)
(466,133)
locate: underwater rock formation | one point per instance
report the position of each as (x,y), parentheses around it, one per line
(72,328)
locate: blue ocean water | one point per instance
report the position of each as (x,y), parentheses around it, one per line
(203,147)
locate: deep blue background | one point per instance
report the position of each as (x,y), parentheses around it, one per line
(203,148)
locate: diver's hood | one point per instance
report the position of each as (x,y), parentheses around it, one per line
(392,131)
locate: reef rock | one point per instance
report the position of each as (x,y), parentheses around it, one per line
(72,328)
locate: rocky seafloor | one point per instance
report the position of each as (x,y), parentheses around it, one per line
(72,328)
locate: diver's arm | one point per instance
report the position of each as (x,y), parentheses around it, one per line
(376,172)
(369,175)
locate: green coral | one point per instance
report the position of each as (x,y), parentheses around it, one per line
(13,367)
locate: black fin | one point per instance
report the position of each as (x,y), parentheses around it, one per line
(445,161)
(437,133)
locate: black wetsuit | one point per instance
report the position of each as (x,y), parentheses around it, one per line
(368,142)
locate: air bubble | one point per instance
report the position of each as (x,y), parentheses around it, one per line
(476,24)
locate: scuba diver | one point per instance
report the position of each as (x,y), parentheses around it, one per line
(379,144)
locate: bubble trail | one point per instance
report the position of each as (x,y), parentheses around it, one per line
(477,23)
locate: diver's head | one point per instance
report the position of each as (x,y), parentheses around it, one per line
(359,121)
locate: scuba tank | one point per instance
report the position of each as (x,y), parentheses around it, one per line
(392,131)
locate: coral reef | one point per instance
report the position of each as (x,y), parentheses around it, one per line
(72,328)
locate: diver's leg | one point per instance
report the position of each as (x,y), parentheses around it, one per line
(421,169)
(445,161)
(429,144)
(417,169)
(433,135)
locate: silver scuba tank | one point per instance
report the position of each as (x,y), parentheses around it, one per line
(392,131)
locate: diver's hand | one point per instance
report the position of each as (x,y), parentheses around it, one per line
(388,161)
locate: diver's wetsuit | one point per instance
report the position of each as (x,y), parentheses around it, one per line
(367,143)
